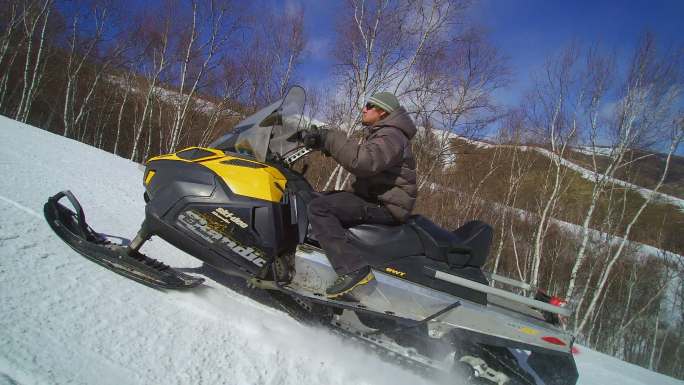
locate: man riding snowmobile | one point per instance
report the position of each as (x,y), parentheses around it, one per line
(239,206)
(383,192)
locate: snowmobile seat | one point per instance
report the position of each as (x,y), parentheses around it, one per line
(385,242)
(466,246)
(478,236)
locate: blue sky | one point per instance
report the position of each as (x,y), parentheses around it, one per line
(525,31)
(528,31)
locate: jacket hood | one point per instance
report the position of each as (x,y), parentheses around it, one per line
(400,119)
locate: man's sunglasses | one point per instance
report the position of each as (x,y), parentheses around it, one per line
(370,106)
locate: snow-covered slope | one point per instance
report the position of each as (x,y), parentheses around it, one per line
(173,97)
(584,172)
(67,320)
(593,176)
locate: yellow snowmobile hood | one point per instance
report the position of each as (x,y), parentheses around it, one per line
(246,177)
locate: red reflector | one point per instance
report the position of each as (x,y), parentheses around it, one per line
(555,301)
(574,350)
(553,340)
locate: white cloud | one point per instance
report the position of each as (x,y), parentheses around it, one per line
(317,48)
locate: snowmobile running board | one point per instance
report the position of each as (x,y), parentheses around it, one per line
(497,292)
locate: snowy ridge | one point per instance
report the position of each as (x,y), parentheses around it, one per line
(589,150)
(67,320)
(575,230)
(585,173)
(592,176)
(173,97)
(598,236)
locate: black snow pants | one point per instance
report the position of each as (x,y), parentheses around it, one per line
(329,216)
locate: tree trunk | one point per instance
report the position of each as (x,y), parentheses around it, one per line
(32,76)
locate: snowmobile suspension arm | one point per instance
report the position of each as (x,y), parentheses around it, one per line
(140,238)
(497,292)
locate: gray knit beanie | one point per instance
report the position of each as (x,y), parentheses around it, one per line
(385,100)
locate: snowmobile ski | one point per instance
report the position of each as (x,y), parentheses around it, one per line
(73,229)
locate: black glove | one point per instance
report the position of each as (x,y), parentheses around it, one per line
(314,138)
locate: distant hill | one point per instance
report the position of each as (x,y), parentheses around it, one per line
(473,159)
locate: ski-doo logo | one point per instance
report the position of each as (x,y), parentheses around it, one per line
(229,217)
(395,272)
(198,225)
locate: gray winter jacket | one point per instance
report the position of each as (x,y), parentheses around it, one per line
(382,164)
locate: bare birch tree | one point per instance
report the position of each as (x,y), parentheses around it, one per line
(520,165)
(381,46)
(11,19)
(598,76)
(157,47)
(552,109)
(79,53)
(454,84)
(288,45)
(124,90)
(650,92)
(198,53)
(677,134)
(272,55)
(35,17)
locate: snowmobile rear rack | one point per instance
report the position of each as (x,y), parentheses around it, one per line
(497,292)
(508,281)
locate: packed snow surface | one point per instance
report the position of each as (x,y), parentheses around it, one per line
(66,320)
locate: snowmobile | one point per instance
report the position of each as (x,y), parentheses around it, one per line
(239,206)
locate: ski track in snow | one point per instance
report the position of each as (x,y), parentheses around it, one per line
(66,320)
(21,207)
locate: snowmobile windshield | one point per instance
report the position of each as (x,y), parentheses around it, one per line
(270,131)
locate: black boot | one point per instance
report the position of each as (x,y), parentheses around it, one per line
(348,282)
